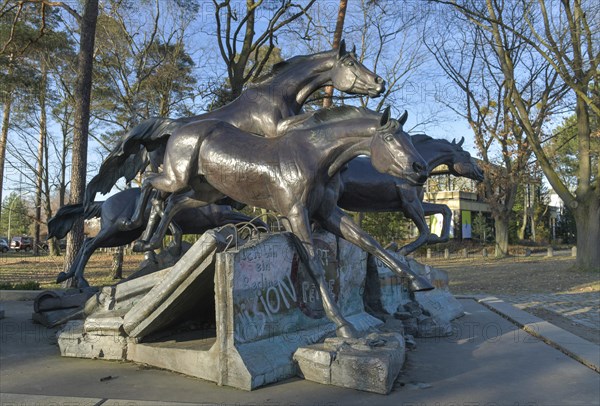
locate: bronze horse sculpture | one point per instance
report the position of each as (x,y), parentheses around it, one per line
(259,110)
(364,189)
(123,204)
(295,174)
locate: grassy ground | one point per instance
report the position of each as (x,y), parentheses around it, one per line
(474,275)
(517,275)
(16,267)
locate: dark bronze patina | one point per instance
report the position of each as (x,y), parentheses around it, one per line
(123,204)
(296,175)
(259,110)
(367,190)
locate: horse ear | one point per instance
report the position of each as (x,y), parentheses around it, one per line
(354,49)
(342,48)
(453,141)
(403,118)
(462,140)
(385,117)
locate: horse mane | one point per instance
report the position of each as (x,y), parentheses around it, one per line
(333,115)
(422,138)
(284,65)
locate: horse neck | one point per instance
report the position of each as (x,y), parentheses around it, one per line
(435,153)
(299,82)
(339,146)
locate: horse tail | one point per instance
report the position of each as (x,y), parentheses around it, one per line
(93,210)
(66,216)
(130,156)
(63,220)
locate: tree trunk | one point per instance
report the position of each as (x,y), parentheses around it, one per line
(116,271)
(40,158)
(3,138)
(587,220)
(337,38)
(62,187)
(83,88)
(521,232)
(53,249)
(501,225)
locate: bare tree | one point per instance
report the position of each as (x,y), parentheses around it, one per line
(566,35)
(83,88)
(239,42)
(466,54)
(337,37)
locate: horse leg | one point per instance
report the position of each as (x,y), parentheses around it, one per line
(175,247)
(62,276)
(175,204)
(436,208)
(155,212)
(86,251)
(342,225)
(300,226)
(137,219)
(414,211)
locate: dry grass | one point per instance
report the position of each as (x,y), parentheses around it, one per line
(474,275)
(23,267)
(517,275)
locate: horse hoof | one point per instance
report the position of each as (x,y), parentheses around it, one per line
(62,277)
(82,283)
(140,246)
(347,331)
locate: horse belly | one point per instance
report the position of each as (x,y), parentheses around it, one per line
(371,197)
(244,181)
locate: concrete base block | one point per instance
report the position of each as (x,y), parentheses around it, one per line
(73,341)
(370,364)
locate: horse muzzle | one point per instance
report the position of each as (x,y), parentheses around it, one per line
(378,88)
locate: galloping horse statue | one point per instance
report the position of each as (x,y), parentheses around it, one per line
(295,174)
(364,189)
(123,204)
(259,110)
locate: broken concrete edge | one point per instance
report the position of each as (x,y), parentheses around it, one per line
(371,363)
(581,350)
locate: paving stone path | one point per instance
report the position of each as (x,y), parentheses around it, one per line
(581,308)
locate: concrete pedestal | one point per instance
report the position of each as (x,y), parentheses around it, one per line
(370,364)
(259,299)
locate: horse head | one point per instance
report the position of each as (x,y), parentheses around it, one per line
(350,76)
(393,152)
(462,164)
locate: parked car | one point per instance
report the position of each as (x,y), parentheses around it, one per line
(62,244)
(4,247)
(21,243)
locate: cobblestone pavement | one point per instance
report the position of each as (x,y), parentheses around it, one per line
(582,308)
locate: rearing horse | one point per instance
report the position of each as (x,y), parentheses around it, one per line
(365,189)
(259,110)
(296,174)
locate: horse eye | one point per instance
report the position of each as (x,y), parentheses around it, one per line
(389,138)
(349,63)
